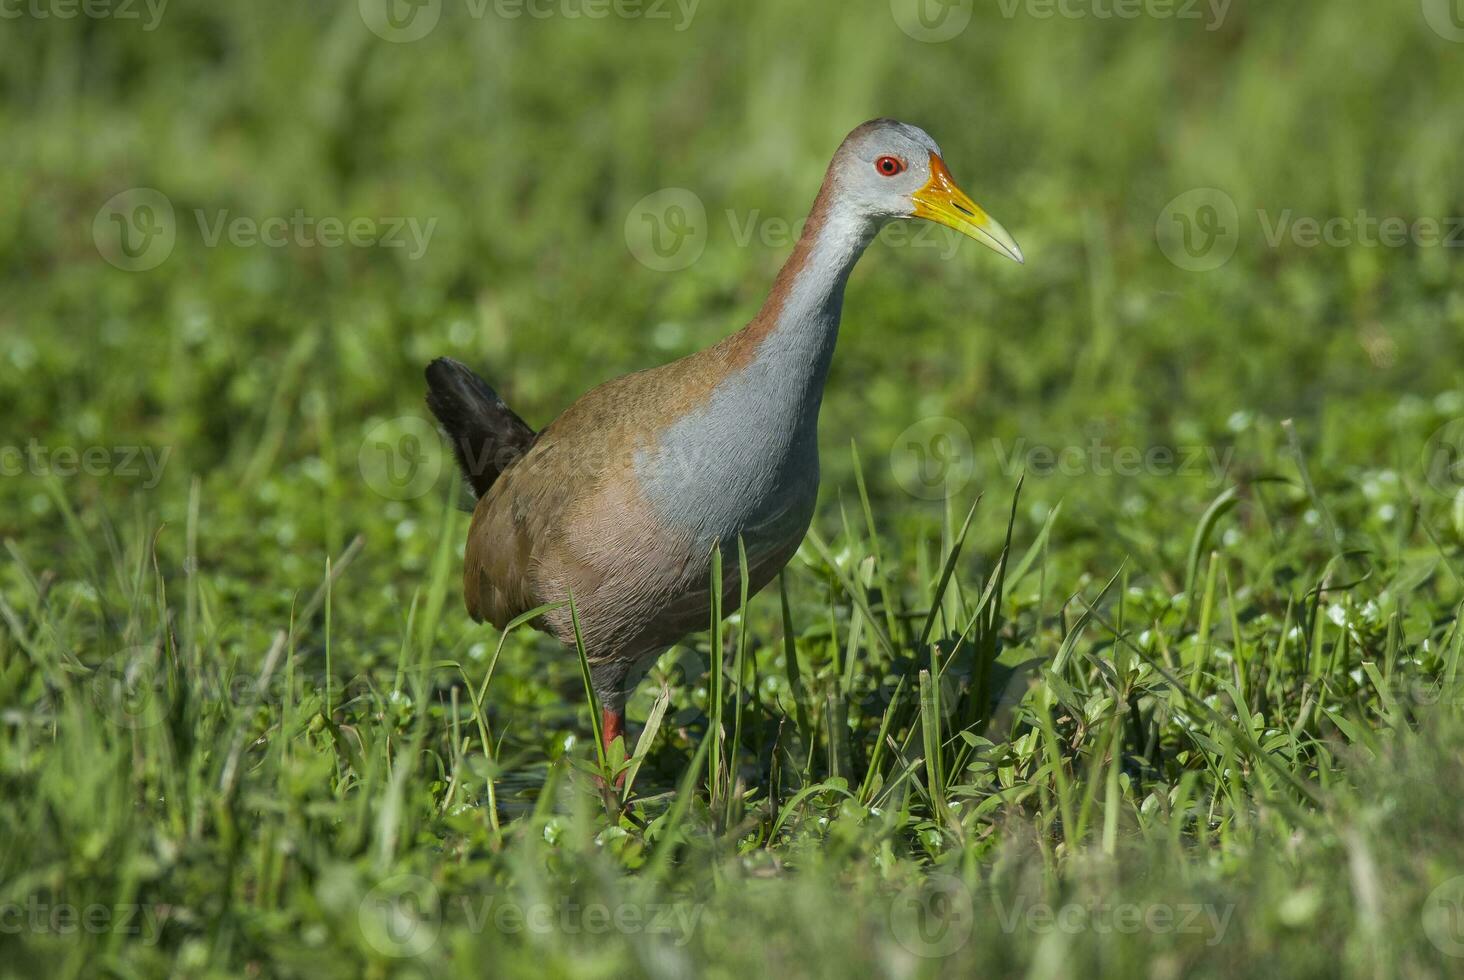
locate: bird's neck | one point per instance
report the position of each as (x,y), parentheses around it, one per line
(794,333)
(800,318)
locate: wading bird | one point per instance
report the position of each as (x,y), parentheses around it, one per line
(619,501)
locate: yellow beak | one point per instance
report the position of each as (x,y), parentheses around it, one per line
(941,201)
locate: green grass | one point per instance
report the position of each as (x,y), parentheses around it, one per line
(1056,704)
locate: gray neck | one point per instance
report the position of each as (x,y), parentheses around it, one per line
(805,304)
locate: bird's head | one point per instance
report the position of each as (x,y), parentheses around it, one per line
(889,169)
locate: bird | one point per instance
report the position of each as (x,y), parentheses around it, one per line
(617,505)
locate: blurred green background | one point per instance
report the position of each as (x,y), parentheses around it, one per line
(268,380)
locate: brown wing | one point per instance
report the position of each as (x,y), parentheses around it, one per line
(516,516)
(566,514)
(520,545)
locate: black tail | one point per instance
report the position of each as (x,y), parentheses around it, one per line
(485,433)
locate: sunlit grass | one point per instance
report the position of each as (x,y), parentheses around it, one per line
(1158,675)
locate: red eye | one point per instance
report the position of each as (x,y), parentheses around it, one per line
(889,166)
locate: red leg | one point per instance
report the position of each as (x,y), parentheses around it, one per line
(612,726)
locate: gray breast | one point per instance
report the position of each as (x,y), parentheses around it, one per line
(745,463)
